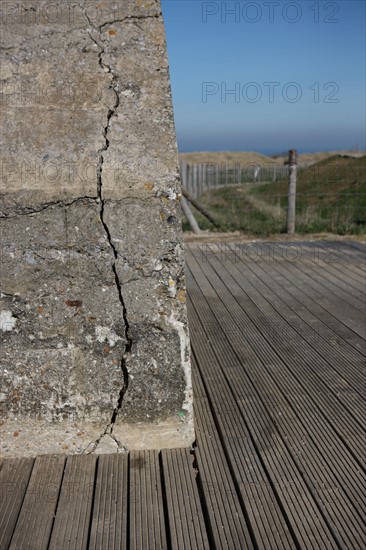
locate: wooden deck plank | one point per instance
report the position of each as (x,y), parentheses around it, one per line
(305,357)
(257,496)
(236,316)
(147,518)
(109,524)
(245,313)
(229,527)
(14,479)
(342,255)
(72,521)
(343,312)
(306,323)
(227,410)
(186,519)
(199,390)
(350,507)
(289,486)
(324,269)
(35,521)
(276,321)
(228,523)
(268,254)
(330,324)
(322,281)
(354,281)
(356,252)
(109,528)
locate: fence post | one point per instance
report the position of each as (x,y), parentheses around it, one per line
(192,179)
(183,173)
(292,173)
(190,217)
(200,179)
(189,178)
(209,174)
(196,181)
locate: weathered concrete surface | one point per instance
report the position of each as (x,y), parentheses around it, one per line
(95,348)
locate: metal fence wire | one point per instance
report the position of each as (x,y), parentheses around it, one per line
(330,197)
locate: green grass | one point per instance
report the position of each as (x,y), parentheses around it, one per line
(331,197)
(233,212)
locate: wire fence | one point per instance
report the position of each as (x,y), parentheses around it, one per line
(331,195)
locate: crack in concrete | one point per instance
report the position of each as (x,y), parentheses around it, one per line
(29,211)
(120,446)
(131,18)
(7,295)
(128,345)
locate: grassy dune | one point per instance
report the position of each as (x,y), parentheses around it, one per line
(245,157)
(331,197)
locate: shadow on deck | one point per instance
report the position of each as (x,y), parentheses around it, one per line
(278,341)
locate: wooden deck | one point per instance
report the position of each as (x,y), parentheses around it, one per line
(278,340)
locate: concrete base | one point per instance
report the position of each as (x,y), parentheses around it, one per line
(30,439)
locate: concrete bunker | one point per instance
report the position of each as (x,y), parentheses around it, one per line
(95,346)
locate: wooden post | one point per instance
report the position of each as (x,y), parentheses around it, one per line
(199,207)
(189,177)
(200,187)
(190,217)
(195,192)
(184,173)
(199,182)
(292,173)
(208,177)
(200,179)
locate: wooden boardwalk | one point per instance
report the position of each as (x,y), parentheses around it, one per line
(278,340)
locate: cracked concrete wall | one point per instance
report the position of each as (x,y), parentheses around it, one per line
(95,347)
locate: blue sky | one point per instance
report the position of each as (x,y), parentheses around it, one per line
(296,70)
